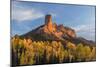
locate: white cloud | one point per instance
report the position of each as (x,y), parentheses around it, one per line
(20,13)
(23,15)
(86,30)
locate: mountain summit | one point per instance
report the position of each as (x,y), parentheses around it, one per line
(51,31)
(57,30)
(50,28)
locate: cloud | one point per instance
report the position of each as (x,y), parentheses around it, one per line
(21,13)
(86,30)
(24,15)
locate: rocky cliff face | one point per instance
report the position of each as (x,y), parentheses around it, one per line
(59,30)
(68,31)
(52,29)
(49,26)
(52,32)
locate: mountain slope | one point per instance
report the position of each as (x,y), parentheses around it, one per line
(52,32)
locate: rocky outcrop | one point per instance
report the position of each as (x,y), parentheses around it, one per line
(48,23)
(52,32)
(59,30)
(68,31)
(50,29)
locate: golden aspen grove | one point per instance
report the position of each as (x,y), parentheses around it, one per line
(28,52)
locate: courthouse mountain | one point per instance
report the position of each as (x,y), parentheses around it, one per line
(52,32)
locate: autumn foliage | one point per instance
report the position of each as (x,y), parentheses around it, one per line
(28,52)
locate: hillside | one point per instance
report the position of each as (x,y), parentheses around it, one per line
(52,32)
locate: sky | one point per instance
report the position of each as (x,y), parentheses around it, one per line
(26,16)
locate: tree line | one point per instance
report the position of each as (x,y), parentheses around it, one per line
(28,52)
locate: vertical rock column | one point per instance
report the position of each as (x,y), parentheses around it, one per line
(48,22)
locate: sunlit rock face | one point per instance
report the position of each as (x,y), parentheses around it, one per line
(50,27)
(49,24)
(70,32)
(52,30)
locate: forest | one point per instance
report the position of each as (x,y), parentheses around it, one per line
(29,52)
